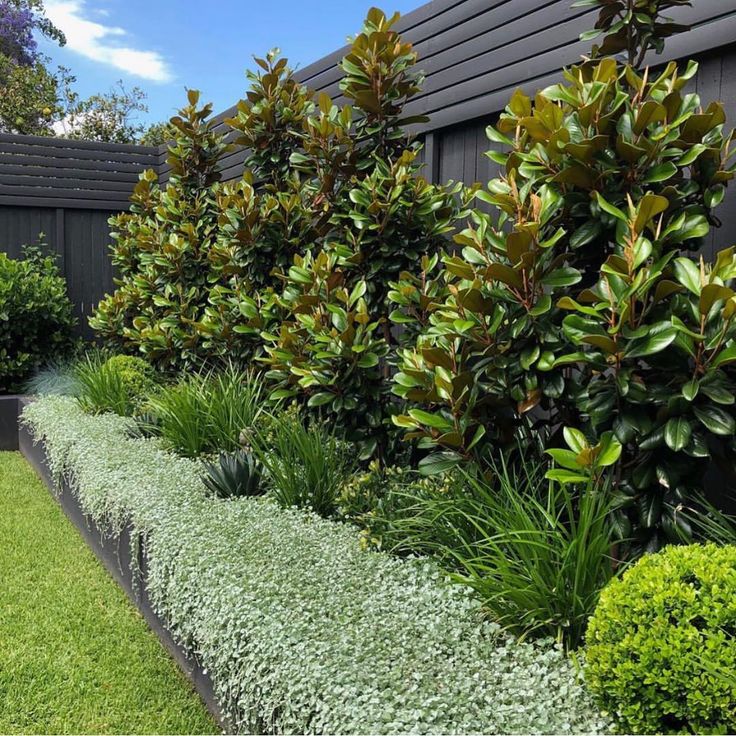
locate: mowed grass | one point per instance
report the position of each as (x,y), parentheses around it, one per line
(75,655)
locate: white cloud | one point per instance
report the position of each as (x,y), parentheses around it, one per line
(98,42)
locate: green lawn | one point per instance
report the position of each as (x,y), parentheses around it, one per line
(75,655)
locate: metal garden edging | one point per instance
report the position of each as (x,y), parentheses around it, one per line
(114,552)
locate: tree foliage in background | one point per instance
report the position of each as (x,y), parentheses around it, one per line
(108,117)
(31,94)
(157,134)
(35,99)
(575,303)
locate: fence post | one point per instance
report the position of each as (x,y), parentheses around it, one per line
(432,157)
(60,240)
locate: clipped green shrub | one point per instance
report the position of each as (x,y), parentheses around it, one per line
(206,412)
(120,384)
(301,630)
(659,638)
(36,317)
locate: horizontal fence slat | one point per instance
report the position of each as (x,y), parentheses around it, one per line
(145,161)
(12,200)
(66,183)
(66,193)
(72,144)
(127,178)
(101,168)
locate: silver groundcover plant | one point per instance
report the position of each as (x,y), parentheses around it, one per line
(301,630)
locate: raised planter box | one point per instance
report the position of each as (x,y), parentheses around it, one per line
(114,552)
(9,409)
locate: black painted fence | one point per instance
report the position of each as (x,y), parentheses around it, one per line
(474,54)
(68,190)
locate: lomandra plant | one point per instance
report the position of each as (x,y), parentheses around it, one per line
(536,553)
(120,384)
(305,465)
(576,302)
(207,412)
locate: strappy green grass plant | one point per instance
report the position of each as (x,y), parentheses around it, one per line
(535,552)
(206,412)
(306,465)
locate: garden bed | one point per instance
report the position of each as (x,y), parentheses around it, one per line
(299,629)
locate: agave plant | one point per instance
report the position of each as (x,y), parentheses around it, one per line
(234,475)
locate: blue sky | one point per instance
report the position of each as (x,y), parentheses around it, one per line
(164,46)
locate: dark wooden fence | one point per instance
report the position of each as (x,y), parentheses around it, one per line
(474,54)
(67,190)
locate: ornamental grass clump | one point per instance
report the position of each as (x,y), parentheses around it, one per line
(306,465)
(300,629)
(661,640)
(536,553)
(119,384)
(206,412)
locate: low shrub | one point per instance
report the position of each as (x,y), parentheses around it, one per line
(374,499)
(301,630)
(206,412)
(659,638)
(306,465)
(36,317)
(119,384)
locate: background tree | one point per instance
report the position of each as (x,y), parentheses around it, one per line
(31,94)
(109,117)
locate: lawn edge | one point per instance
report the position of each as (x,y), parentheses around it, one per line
(114,553)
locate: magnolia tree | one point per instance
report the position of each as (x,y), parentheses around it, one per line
(290,266)
(576,305)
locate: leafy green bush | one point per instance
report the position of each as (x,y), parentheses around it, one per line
(575,302)
(300,630)
(306,465)
(120,384)
(206,412)
(658,638)
(36,318)
(330,350)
